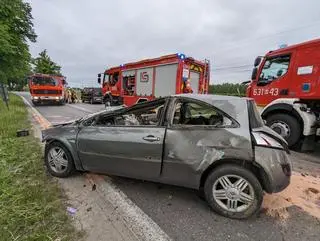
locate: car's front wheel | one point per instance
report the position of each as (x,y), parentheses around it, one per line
(58,160)
(233,191)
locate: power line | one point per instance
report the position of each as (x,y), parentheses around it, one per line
(232,67)
(234,71)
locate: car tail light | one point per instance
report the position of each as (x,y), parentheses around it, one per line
(262,139)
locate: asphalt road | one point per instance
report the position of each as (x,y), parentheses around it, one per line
(184,216)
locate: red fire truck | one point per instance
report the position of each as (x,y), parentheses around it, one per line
(286,83)
(151,78)
(45,88)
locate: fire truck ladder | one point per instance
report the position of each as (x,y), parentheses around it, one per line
(207,72)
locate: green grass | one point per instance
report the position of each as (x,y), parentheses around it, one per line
(31,203)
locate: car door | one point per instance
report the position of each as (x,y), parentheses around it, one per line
(127,144)
(199,134)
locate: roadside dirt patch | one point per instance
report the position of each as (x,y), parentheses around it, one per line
(303,192)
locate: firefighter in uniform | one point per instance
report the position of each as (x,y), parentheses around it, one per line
(186,87)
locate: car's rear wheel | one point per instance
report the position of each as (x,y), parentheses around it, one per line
(233,191)
(58,160)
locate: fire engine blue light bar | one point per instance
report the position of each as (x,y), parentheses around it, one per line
(181,56)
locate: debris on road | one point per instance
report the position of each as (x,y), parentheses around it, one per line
(302,192)
(71,210)
(94,187)
(24,132)
(89,209)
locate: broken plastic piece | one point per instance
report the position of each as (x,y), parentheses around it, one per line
(24,132)
(71,210)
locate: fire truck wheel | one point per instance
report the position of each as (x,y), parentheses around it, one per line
(287,126)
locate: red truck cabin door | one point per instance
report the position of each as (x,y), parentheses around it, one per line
(306,73)
(273,80)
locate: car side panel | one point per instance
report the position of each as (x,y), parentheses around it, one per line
(189,151)
(121,151)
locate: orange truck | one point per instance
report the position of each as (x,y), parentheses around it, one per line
(46,88)
(152,78)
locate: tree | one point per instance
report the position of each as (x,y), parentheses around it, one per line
(228,89)
(16,29)
(44,65)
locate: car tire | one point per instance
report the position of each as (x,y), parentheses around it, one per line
(252,194)
(288,123)
(67,167)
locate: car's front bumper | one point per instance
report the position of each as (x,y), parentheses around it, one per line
(277,168)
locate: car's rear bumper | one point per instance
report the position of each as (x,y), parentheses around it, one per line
(277,168)
(97,99)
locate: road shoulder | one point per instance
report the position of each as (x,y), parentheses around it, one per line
(99,209)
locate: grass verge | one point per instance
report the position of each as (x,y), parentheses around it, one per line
(31,206)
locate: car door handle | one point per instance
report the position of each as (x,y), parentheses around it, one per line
(151,138)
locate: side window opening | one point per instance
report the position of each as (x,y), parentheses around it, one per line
(129,84)
(200,114)
(274,68)
(149,115)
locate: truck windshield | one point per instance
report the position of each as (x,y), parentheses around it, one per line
(97,91)
(40,80)
(105,78)
(274,68)
(254,115)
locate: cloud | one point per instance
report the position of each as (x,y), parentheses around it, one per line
(87,36)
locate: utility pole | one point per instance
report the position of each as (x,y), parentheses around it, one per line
(4,94)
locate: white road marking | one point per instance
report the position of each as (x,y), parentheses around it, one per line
(136,220)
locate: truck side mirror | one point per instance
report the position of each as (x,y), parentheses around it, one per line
(254,73)
(257,61)
(99,80)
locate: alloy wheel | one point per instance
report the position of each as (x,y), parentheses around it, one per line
(58,160)
(233,193)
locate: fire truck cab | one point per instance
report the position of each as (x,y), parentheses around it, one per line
(152,78)
(286,84)
(47,88)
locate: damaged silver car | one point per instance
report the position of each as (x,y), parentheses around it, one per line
(216,144)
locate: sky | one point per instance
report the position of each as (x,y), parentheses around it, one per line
(85,37)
